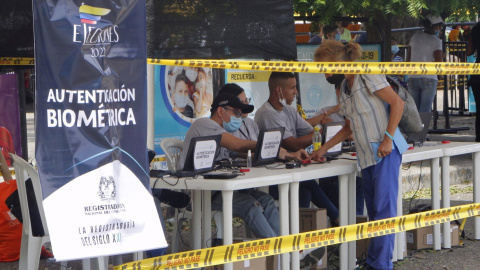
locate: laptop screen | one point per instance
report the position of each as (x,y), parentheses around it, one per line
(330,130)
(268,146)
(421,136)
(201,153)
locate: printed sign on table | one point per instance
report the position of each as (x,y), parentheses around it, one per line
(91,128)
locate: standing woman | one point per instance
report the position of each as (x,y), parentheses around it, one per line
(372,110)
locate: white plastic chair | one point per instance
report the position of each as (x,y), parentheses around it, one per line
(32,245)
(172,148)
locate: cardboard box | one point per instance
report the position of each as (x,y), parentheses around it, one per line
(312,219)
(422,238)
(362,245)
(251,264)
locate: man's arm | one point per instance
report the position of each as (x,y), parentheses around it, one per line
(235,144)
(294,144)
(341,135)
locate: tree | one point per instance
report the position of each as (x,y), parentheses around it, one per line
(384,12)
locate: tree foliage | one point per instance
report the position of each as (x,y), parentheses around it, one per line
(327,9)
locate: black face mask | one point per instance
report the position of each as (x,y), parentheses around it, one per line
(336,79)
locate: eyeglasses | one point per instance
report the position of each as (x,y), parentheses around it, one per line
(237,113)
(246,101)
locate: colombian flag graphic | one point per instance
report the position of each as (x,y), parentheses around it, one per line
(91,15)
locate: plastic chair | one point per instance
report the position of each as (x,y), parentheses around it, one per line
(32,245)
(172,148)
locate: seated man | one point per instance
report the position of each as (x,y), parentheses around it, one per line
(277,112)
(256,208)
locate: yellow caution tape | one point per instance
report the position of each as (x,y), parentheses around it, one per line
(394,68)
(7,61)
(301,241)
(408,68)
(159,159)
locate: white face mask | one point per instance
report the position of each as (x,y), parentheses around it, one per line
(191,74)
(282,99)
(181,100)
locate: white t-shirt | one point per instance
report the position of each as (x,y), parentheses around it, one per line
(200,128)
(268,117)
(422,47)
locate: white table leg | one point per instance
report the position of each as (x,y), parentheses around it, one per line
(352,213)
(284,222)
(294,220)
(398,248)
(476,193)
(343,211)
(445,199)
(435,176)
(207,218)
(197,219)
(227,197)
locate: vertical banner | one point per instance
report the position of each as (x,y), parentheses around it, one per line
(91,114)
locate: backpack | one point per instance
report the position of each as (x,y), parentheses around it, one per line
(410,121)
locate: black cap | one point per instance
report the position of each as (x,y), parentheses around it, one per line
(232,101)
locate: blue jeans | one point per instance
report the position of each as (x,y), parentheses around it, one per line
(380,184)
(256,208)
(310,191)
(423,91)
(330,187)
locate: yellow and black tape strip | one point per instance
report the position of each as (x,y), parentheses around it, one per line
(409,68)
(16,61)
(289,243)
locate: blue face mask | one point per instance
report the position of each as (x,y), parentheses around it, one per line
(437,33)
(395,49)
(234,124)
(338,36)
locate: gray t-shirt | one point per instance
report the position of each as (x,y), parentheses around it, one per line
(268,117)
(200,128)
(247,131)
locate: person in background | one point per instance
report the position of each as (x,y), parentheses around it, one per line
(180,96)
(331,32)
(278,112)
(6,145)
(466,32)
(317,39)
(474,81)
(372,112)
(425,47)
(454,34)
(202,98)
(395,51)
(345,35)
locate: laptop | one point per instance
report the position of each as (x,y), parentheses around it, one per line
(419,138)
(200,156)
(329,130)
(266,151)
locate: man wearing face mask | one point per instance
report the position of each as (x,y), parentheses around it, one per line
(277,112)
(425,46)
(180,96)
(256,208)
